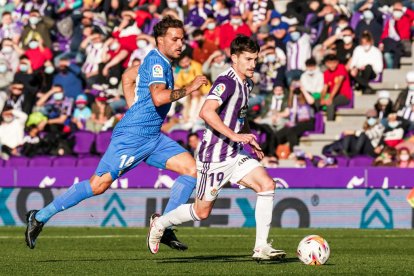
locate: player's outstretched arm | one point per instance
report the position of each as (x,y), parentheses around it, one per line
(161,95)
(209,114)
(128,84)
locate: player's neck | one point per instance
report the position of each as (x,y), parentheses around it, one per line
(241,76)
(162,53)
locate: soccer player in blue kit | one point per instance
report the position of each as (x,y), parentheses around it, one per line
(137,137)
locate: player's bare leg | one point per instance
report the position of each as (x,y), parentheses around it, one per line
(78,192)
(264,186)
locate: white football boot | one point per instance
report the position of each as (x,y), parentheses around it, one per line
(267,252)
(155,233)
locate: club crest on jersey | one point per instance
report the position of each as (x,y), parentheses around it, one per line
(219,89)
(157,71)
(214,192)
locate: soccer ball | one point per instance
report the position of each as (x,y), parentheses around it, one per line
(313,250)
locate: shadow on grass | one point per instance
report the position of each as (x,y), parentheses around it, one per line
(222,259)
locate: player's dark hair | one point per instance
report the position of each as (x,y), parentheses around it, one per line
(161,28)
(242,44)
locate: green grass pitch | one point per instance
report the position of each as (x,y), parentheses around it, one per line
(212,251)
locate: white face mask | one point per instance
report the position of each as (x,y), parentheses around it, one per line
(397,14)
(393,124)
(271,58)
(114,46)
(211,26)
(368,15)
(3,2)
(33,44)
(49,69)
(141,43)
(7,49)
(172,5)
(342,26)
(279,97)
(219,64)
(3,68)
(383,101)
(236,21)
(347,39)
(8,119)
(311,72)
(329,17)
(34,20)
(404,157)
(366,48)
(113,81)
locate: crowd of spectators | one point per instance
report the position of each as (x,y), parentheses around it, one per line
(61,63)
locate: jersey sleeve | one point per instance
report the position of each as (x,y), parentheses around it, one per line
(222,89)
(157,71)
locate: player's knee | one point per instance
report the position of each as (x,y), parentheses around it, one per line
(190,170)
(267,185)
(202,213)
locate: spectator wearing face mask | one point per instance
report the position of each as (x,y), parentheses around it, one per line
(38,54)
(312,79)
(26,75)
(323,21)
(394,131)
(230,30)
(11,131)
(405,97)
(221,11)
(20,97)
(407,115)
(342,44)
(144,44)
(371,22)
(337,87)
(365,64)
(82,112)
(101,114)
(396,37)
(211,30)
(202,48)
(215,65)
(38,28)
(57,108)
(367,141)
(9,29)
(384,105)
(6,76)
(95,51)
(298,51)
(68,76)
(10,53)
(404,158)
(197,15)
(278,30)
(113,60)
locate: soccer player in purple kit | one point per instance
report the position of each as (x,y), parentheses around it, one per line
(137,137)
(221,157)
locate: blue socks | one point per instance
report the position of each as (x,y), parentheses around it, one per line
(75,194)
(180,192)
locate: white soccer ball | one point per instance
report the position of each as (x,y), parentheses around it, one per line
(313,250)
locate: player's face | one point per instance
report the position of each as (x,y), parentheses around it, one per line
(172,43)
(245,63)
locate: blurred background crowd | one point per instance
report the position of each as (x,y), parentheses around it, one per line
(61,63)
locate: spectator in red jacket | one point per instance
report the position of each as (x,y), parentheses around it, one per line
(337,87)
(38,53)
(230,30)
(396,37)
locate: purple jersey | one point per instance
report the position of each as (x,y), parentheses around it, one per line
(232,94)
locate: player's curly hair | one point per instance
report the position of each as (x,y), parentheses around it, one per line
(242,44)
(161,28)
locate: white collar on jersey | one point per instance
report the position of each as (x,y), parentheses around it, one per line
(161,55)
(238,78)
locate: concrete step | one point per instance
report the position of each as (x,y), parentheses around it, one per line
(368,101)
(352,112)
(407,60)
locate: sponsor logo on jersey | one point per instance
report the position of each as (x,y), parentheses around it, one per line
(242,114)
(244,159)
(219,89)
(157,71)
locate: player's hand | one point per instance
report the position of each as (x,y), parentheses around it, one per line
(243,138)
(197,83)
(257,149)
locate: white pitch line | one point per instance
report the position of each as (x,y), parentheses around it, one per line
(196,236)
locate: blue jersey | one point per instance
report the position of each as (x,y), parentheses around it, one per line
(144,118)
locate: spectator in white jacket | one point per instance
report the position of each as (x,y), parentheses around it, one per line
(312,79)
(11,131)
(298,51)
(366,63)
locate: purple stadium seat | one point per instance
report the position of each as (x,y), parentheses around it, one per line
(2,162)
(178,135)
(102,141)
(319,125)
(64,161)
(356,17)
(83,142)
(361,161)
(17,162)
(40,161)
(343,161)
(378,79)
(88,161)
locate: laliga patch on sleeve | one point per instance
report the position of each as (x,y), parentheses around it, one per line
(219,89)
(157,71)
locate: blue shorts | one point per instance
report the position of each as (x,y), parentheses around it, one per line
(126,151)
